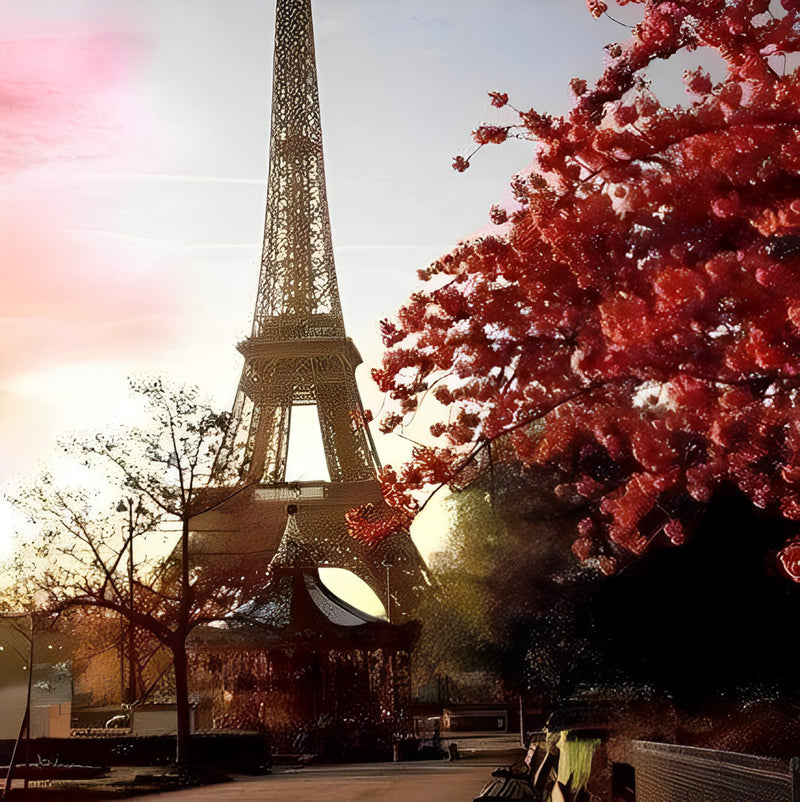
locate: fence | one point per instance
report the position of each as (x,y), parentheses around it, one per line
(669,773)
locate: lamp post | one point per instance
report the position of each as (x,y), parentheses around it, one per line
(387,564)
(25,727)
(130,692)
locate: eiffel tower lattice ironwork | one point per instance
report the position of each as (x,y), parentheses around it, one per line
(298,352)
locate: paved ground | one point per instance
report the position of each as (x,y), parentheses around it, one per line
(422,781)
(414,781)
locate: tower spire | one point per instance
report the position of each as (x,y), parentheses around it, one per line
(297,291)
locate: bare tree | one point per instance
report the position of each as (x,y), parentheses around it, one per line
(156,478)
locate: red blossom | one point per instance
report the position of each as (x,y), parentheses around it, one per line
(498,215)
(637,329)
(675,532)
(438,429)
(596,8)
(697,82)
(490,134)
(499,99)
(727,206)
(607,565)
(578,86)
(583,548)
(372,525)
(789,560)
(390,334)
(359,419)
(460,164)
(539,125)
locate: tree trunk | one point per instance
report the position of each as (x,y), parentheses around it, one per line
(180,665)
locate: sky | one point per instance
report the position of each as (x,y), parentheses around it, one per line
(133,165)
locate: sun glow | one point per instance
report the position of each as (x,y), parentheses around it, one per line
(352,589)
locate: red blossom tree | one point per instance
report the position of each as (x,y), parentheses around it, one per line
(636,325)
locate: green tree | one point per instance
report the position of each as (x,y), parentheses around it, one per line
(505,587)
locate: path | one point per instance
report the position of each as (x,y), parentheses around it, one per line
(422,781)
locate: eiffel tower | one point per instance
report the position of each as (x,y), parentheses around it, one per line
(299,354)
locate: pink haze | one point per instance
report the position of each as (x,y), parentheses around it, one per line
(59,301)
(56,94)
(66,103)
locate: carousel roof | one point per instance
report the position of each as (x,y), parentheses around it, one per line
(295,606)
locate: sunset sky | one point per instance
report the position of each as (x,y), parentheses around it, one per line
(133,158)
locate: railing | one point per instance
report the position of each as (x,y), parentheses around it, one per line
(670,773)
(335,492)
(292,491)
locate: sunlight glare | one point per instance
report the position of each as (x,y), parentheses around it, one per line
(352,589)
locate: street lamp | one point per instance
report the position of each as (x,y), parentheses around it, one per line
(387,564)
(130,693)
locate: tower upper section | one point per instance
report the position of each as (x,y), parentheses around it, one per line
(298,296)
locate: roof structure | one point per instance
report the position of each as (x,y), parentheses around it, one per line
(294,607)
